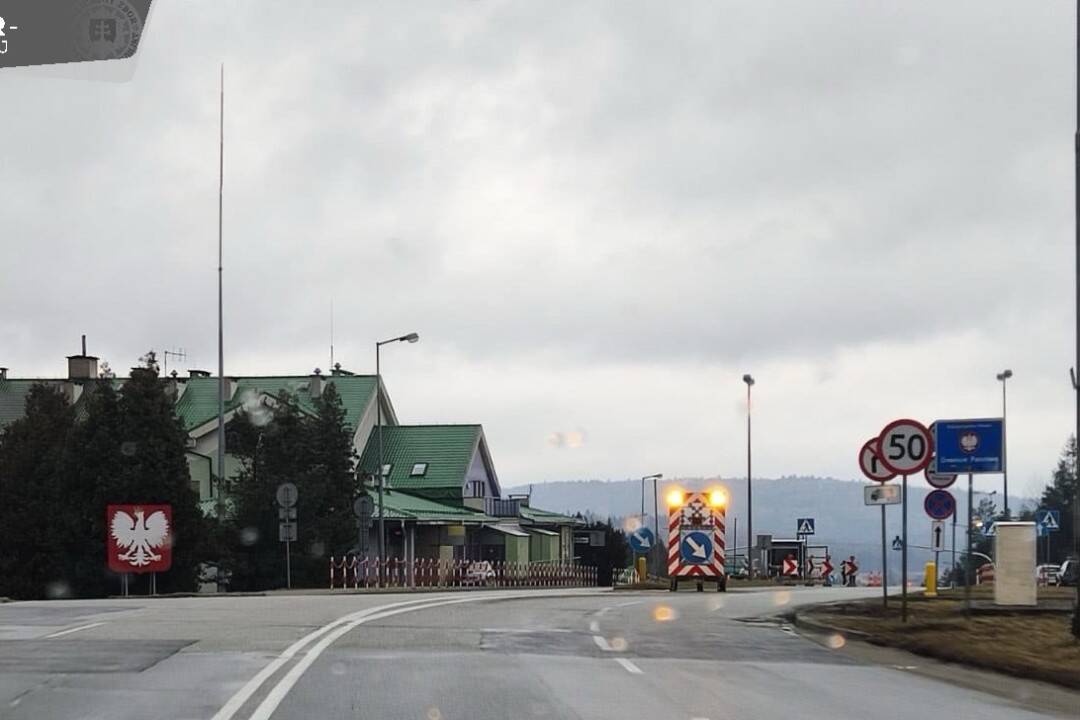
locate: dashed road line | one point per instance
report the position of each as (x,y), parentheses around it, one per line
(629,666)
(601,643)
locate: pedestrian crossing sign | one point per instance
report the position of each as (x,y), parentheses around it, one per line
(805,526)
(1048,520)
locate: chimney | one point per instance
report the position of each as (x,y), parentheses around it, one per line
(82,367)
(198,373)
(315,384)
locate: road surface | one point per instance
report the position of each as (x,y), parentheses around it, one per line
(474,655)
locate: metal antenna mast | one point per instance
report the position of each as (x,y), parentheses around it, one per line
(221,331)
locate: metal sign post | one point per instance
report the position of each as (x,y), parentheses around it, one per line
(884,564)
(904,447)
(287,496)
(882,495)
(967,565)
(903,555)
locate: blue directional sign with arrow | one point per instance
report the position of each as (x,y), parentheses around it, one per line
(642,540)
(696,547)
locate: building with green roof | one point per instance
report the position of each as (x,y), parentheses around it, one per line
(442,497)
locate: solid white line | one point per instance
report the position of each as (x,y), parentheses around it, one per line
(74,630)
(628,604)
(283,686)
(601,643)
(251,686)
(237,701)
(629,666)
(594,627)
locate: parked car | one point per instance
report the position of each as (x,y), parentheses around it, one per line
(1069,572)
(1047,574)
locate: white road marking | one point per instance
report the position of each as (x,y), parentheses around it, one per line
(629,666)
(73,630)
(601,643)
(594,627)
(281,689)
(243,694)
(628,604)
(350,621)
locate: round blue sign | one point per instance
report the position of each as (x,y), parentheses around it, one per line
(696,547)
(642,540)
(939,504)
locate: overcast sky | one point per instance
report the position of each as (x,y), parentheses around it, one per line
(598,216)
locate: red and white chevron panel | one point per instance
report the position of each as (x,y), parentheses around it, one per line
(696,515)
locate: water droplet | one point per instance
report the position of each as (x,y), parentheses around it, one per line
(618,644)
(835,641)
(128,448)
(57,590)
(249,536)
(781,598)
(434,713)
(663,613)
(338,668)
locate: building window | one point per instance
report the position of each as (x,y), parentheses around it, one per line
(418,470)
(476,488)
(386,470)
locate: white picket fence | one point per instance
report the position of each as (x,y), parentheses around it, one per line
(362,572)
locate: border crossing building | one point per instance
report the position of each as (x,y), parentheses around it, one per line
(442,495)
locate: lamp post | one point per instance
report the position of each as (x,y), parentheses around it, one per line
(380,475)
(656,509)
(1003,377)
(749,380)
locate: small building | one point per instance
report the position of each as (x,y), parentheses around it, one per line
(443,500)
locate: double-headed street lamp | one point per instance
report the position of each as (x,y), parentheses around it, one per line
(749,380)
(1003,376)
(381,473)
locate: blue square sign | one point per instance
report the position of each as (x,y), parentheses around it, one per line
(969,446)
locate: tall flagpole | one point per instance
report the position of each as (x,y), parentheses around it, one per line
(221,332)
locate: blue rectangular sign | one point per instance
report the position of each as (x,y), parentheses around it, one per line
(969,446)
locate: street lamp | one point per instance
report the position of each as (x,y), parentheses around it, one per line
(749,380)
(1003,376)
(381,475)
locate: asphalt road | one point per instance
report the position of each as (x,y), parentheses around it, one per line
(476,655)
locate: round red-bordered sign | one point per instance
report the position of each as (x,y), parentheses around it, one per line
(870,464)
(905,446)
(939,480)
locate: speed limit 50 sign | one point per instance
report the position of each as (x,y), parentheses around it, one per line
(905,446)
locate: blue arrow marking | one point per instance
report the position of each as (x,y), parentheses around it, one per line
(696,548)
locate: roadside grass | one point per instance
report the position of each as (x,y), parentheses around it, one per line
(1035,645)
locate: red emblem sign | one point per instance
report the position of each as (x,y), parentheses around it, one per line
(138,538)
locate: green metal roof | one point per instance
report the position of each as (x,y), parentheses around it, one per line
(13,392)
(198,403)
(403,506)
(546,517)
(447,449)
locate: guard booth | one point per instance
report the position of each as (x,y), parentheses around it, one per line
(780,548)
(696,538)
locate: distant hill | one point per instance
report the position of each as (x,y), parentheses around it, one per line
(843,522)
